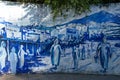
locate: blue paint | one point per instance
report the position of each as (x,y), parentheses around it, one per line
(99,17)
(75,45)
(103,52)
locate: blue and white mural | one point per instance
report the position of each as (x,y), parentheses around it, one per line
(88,44)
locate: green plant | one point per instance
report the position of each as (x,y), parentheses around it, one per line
(60,7)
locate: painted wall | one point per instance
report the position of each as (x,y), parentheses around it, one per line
(88,44)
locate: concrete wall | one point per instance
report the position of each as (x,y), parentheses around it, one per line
(83,44)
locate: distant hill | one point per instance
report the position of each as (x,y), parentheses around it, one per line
(99,17)
(2,21)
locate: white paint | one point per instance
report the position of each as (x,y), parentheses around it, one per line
(12,13)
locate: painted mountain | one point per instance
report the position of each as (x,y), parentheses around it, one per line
(99,17)
(108,21)
(2,21)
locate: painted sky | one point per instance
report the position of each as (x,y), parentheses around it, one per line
(13,13)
